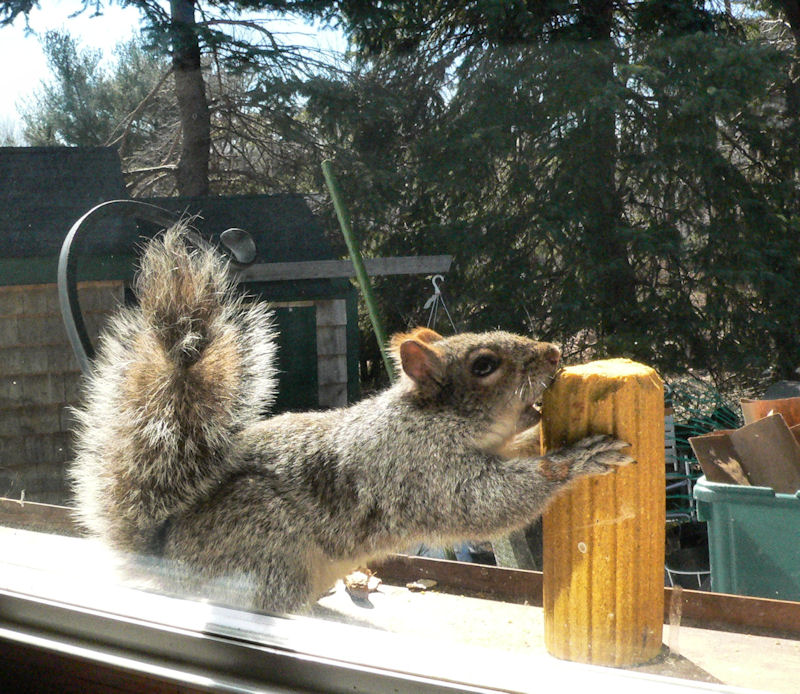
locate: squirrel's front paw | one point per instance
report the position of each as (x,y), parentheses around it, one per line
(594,455)
(598,454)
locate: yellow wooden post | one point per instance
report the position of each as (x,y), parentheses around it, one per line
(604,537)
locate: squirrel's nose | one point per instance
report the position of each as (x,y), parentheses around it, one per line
(553,355)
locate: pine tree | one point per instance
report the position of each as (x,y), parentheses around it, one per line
(185,37)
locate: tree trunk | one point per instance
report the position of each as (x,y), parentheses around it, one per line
(192,175)
(615,282)
(791,11)
(786,347)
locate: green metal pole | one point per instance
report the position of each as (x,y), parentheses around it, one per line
(358,263)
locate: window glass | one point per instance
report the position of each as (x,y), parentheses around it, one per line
(617,178)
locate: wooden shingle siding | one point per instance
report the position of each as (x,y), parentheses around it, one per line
(39,379)
(332,352)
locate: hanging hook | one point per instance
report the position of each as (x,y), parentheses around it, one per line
(437,292)
(434,301)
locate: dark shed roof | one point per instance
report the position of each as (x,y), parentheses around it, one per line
(282,226)
(44,190)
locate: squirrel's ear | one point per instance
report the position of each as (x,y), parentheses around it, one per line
(421,363)
(424,335)
(415,353)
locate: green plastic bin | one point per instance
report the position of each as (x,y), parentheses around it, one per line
(753,537)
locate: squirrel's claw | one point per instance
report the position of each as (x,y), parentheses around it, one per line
(608,451)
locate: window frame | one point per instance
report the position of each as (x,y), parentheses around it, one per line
(245,652)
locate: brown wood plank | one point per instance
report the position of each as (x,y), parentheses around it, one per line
(764,453)
(511,585)
(769,454)
(29,669)
(737,612)
(698,608)
(38,517)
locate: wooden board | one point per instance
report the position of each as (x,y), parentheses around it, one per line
(317,269)
(718,459)
(753,410)
(766,452)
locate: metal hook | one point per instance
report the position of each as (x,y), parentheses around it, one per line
(434,301)
(437,292)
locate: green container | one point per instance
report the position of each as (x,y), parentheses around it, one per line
(754,539)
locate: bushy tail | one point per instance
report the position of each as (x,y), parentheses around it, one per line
(174,379)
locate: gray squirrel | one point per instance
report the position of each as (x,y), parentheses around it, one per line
(176,459)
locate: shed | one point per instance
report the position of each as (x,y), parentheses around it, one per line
(43,191)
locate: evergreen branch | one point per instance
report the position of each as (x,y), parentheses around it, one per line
(133,115)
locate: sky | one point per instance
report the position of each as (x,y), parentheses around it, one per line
(22,62)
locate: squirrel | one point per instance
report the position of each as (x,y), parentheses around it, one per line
(177,458)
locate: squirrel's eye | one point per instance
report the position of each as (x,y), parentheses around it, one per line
(484,365)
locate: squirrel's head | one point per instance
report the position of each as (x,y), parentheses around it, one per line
(494,380)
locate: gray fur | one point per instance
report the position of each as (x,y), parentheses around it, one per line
(175,462)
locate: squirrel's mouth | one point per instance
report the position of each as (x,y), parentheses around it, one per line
(531,415)
(532,411)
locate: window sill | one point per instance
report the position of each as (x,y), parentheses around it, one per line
(51,606)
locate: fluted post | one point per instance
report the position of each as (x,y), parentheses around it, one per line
(604,537)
